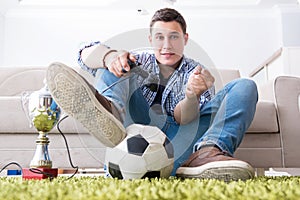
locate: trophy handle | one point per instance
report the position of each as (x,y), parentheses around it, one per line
(25,105)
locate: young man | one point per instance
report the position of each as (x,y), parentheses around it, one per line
(174,93)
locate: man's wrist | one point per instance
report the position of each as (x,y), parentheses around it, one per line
(107,58)
(93,57)
(191,100)
(190,95)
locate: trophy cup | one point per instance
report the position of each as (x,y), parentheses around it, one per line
(43,113)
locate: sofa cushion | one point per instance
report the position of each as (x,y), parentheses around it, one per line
(224,76)
(265,118)
(15,80)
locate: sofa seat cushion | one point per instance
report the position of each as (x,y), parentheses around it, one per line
(265,118)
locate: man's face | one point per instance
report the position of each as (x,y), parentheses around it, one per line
(168,41)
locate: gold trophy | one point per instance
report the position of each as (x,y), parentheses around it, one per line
(43,113)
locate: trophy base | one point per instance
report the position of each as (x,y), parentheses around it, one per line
(42,173)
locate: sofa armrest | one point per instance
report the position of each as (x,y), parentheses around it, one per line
(286,94)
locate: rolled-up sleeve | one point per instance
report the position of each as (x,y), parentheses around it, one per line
(207,96)
(80,60)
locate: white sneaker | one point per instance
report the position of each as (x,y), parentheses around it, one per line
(81,100)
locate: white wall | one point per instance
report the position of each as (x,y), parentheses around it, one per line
(287,64)
(290,22)
(233,38)
(1,38)
(237,39)
(38,37)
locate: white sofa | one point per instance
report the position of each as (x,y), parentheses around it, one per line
(271,141)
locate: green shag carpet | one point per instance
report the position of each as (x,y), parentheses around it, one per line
(105,188)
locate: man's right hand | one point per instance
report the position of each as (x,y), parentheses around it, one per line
(117,62)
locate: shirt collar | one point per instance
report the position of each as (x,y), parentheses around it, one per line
(182,64)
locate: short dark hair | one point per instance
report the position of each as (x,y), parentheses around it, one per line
(168,15)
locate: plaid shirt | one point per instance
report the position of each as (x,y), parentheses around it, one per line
(174,90)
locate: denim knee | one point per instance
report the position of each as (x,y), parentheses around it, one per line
(248,87)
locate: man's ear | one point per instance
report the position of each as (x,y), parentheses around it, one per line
(150,38)
(186,38)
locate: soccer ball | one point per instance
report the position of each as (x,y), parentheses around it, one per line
(145,152)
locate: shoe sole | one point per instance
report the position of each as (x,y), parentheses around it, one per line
(232,170)
(75,97)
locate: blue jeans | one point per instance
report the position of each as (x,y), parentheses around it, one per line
(223,121)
